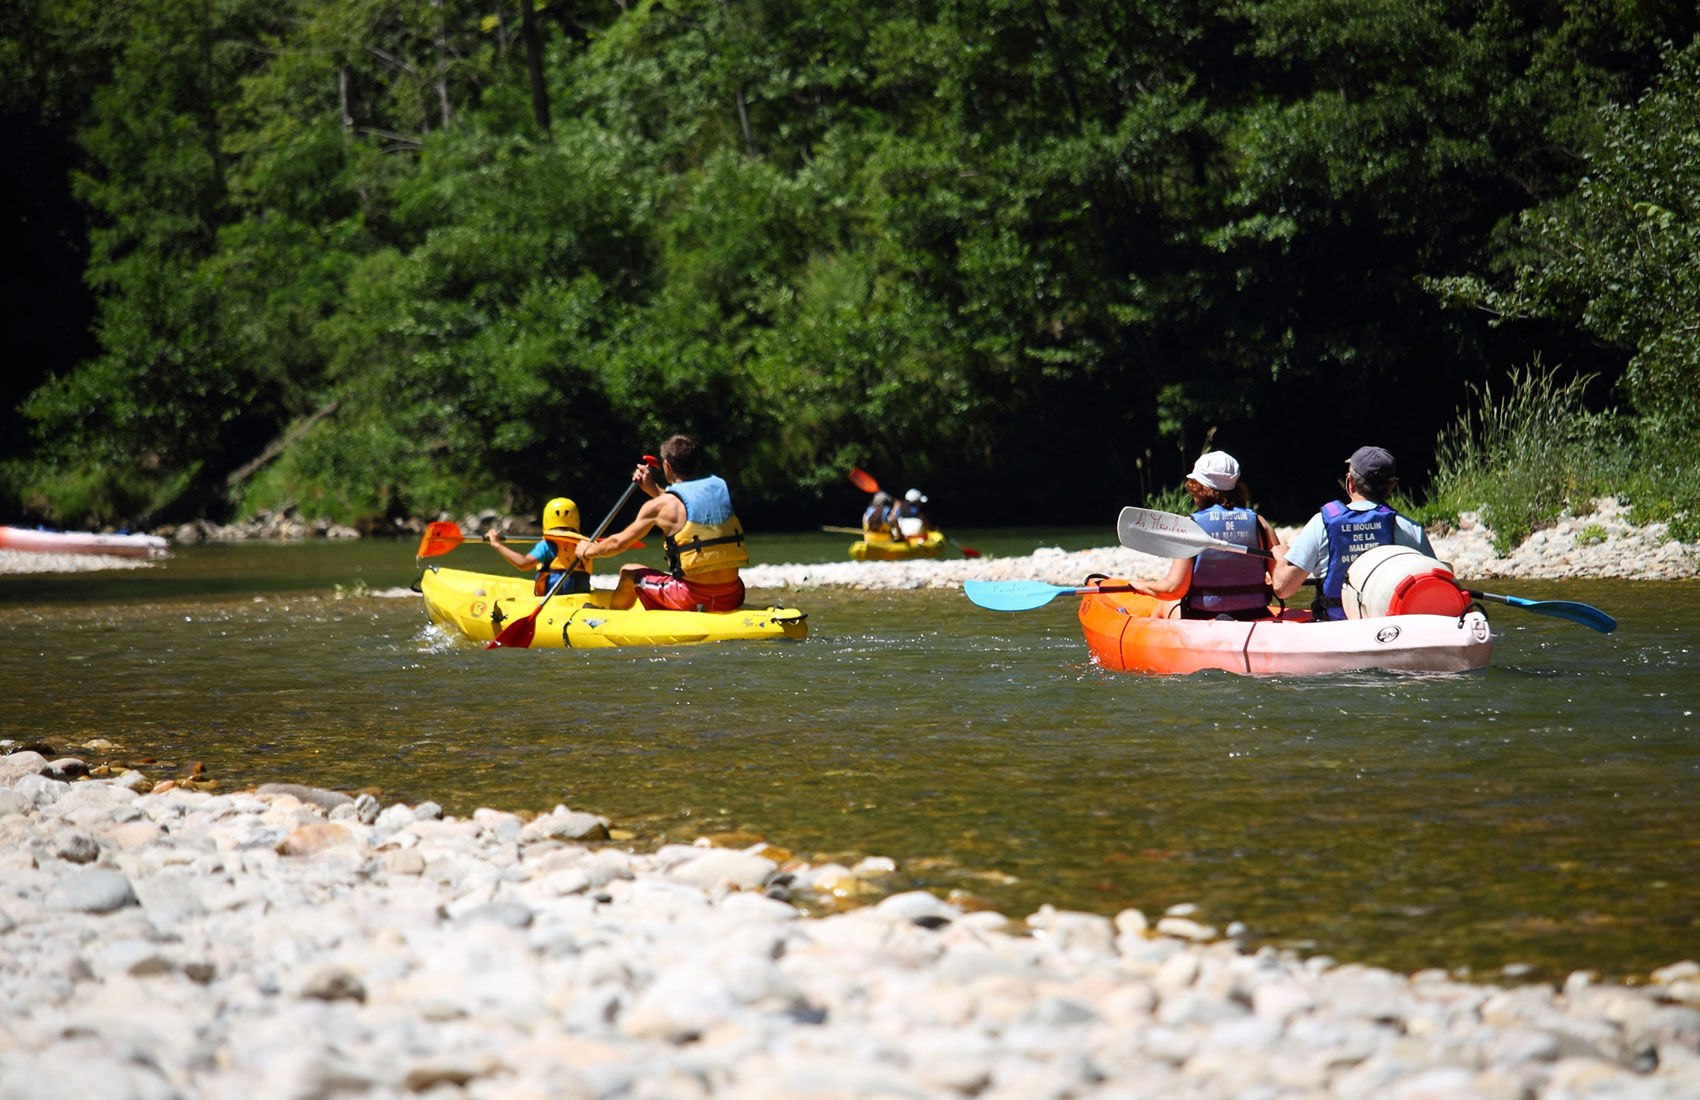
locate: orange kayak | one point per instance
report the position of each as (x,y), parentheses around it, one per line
(1124,636)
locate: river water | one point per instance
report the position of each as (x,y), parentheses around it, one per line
(1540,814)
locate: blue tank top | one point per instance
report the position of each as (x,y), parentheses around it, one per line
(1222,580)
(1350,533)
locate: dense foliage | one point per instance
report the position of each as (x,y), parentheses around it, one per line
(477,252)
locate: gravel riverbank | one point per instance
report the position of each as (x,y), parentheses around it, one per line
(290,943)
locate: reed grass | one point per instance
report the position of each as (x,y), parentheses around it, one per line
(1525,456)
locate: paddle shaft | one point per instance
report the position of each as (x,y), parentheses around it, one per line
(518,634)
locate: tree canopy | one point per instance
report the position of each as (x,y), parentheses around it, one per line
(483,252)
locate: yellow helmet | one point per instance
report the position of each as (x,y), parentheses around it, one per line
(559,513)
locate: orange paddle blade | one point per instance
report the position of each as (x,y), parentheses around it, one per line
(439,538)
(864,480)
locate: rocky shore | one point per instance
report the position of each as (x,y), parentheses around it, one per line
(290,943)
(1602,544)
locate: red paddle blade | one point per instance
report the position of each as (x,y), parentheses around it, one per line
(969,551)
(517,634)
(439,538)
(864,480)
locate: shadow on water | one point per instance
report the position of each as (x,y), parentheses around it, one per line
(1538,812)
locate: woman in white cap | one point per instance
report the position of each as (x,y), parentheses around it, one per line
(1218,583)
(907,515)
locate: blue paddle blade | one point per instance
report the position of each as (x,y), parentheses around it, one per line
(1012,595)
(1591,617)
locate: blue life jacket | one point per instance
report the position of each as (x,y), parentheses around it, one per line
(878,519)
(712,539)
(1350,533)
(1223,581)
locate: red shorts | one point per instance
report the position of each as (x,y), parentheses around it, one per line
(660,591)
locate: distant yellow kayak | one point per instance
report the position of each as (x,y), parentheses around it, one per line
(478,605)
(927,546)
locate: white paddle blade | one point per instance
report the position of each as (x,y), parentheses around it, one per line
(1164,534)
(1170,536)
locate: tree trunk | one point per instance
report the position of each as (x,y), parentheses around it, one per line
(534,64)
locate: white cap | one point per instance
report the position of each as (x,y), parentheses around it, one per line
(915,496)
(1217,470)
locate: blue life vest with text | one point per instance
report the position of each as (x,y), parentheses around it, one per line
(1222,580)
(1350,533)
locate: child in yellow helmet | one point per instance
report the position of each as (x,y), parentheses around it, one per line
(551,557)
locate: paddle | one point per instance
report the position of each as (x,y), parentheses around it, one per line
(442,536)
(865,482)
(1591,617)
(1026,595)
(843,530)
(519,633)
(1167,535)
(1170,536)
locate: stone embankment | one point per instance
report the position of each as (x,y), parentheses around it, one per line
(294,944)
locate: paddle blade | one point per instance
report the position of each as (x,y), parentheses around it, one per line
(1591,617)
(439,538)
(1011,595)
(864,480)
(967,551)
(517,634)
(1167,535)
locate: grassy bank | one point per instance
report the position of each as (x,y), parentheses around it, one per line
(1525,455)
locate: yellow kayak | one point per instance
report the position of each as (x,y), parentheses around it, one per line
(478,605)
(926,546)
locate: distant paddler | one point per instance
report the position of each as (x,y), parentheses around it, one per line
(704,539)
(552,556)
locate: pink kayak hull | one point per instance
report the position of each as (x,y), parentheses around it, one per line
(82,542)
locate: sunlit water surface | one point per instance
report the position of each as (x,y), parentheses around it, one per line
(1540,813)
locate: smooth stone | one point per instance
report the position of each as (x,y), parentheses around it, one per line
(915,905)
(723,866)
(566,825)
(313,796)
(317,837)
(170,898)
(405,861)
(329,982)
(11,802)
(509,914)
(66,768)
(78,848)
(92,892)
(16,765)
(40,789)
(135,958)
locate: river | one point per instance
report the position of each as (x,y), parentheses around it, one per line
(1538,815)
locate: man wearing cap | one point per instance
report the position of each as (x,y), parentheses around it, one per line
(906,514)
(1220,584)
(1344,529)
